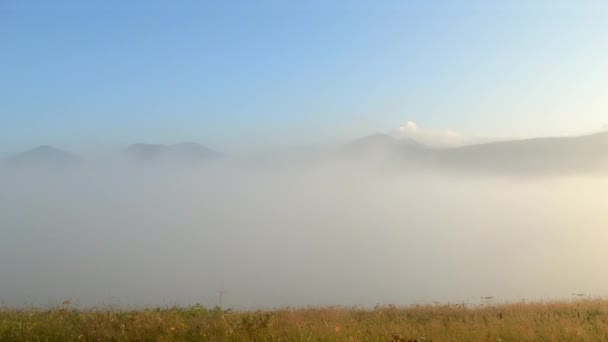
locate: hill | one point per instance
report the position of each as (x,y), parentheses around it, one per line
(44,156)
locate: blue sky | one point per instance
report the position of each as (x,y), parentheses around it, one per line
(253,75)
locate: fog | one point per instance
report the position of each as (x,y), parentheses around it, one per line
(274,234)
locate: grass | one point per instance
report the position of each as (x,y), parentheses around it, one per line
(583,320)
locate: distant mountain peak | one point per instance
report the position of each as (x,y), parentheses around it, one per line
(45,148)
(44,155)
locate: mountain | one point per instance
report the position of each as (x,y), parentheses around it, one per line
(44,156)
(539,155)
(184,152)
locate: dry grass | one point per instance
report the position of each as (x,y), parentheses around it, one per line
(585,320)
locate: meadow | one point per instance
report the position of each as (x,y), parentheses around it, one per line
(580,320)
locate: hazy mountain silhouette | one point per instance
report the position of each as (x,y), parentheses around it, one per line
(538,155)
(44,156)
(552,155)
(184,152)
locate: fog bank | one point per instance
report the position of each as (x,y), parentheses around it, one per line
(295,234)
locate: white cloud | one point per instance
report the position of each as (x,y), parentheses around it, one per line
(439,138)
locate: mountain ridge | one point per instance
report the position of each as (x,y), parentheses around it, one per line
(46,155)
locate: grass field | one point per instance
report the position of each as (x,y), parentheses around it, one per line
(583,320)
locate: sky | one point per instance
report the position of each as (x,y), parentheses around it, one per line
(253,75)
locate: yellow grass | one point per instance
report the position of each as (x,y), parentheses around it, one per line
(584,320)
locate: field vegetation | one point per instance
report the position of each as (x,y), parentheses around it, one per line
(581,320)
